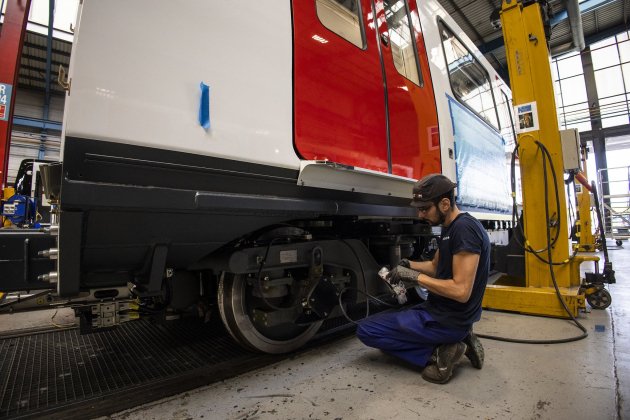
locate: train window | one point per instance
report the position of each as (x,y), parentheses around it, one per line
(470,81)
(401,39)
(343,17)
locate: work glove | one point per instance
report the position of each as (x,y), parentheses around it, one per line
(405,263)
(403,275)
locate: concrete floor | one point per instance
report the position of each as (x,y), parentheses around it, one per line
(588,379)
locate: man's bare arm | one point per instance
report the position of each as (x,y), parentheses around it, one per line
(426,267)
(458,288)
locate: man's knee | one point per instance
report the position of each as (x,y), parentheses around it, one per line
(364,333)
(370,334)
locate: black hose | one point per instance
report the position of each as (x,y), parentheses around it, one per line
(374,298)
(551,271)
(549,262)
(526,246)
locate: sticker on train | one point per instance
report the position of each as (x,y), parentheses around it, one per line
(5,101)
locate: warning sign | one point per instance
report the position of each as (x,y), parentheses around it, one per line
(5,101)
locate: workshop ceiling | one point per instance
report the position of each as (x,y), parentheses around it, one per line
(33,62)
(600,19)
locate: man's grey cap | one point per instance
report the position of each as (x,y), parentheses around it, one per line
(430,187)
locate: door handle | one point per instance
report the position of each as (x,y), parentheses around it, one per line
(385,39)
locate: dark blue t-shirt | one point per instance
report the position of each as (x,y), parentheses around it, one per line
(465,233)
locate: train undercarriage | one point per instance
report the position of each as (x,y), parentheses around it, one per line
(272,290)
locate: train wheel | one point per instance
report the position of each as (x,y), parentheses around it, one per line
(236,304)
(600,299)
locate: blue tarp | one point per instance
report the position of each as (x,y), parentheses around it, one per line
(483,179)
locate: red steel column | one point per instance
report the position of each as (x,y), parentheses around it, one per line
(11,42)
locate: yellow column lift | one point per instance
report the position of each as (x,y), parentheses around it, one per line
(534,102)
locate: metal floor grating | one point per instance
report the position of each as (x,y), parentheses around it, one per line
(42,371)
(61,371)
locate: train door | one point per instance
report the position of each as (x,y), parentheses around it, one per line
(339,111)
(362,88)
(413,126)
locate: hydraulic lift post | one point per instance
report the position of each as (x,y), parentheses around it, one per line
(534,103)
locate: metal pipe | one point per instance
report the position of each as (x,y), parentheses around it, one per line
(582,180)
(575,20)
(49,41)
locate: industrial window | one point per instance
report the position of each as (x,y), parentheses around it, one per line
(343,17)
(470,81)
(570,89)
(402,40)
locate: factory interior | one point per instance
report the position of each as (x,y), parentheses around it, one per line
(315,209)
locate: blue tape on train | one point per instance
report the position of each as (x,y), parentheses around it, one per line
(204,106)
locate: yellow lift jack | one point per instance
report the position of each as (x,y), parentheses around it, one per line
(7,193)
(543,229)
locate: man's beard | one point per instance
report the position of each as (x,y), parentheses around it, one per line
(441,219)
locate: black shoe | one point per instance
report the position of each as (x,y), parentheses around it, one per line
(474,350)
(440,370)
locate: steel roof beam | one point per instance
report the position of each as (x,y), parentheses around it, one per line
(36,123)
(587,6)
(465,19)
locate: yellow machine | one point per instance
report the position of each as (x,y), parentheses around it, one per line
(544,224)
(7,193)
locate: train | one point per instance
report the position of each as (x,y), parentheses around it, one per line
(257,158)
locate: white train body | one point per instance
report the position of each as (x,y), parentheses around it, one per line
(139,84)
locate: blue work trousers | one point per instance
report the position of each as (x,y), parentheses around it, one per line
(410,334)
